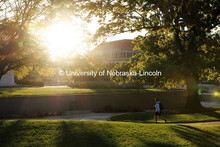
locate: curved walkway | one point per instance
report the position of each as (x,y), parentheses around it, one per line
(210,123)
(91,116)
(82,115)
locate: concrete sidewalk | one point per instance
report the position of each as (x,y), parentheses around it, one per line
(91,116)
(87,115)
(82,115)
(211,123)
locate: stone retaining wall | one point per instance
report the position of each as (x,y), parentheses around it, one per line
(44,104)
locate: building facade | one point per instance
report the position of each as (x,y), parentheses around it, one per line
(115,51)
(8,79)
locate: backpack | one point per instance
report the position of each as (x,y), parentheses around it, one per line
(161,107)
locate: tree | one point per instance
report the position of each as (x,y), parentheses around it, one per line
(181,37)
(86,62)
(19,45)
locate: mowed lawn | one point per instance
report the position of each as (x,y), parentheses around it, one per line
(148,117)
(61,91)
(103,134)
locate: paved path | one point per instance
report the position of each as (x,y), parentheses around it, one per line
(82,115)
(91,116)
(211,123)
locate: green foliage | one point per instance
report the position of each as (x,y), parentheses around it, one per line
(113,109)
(20,46)
(83,63)
(182,38)
(30,83)
(179,33)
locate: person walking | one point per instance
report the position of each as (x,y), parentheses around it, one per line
(159,107)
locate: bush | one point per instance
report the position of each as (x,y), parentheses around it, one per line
(30,83)
(60,113)
(109,109)
(103,86)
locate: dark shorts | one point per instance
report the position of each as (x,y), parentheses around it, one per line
(157,113)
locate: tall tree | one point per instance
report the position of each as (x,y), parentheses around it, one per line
(19,45)
(182,37)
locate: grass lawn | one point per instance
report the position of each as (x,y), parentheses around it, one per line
(103,134)
(62,91)
(148,117)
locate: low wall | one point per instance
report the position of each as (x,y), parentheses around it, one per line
(42,104)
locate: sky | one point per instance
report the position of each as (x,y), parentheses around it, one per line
(94,26)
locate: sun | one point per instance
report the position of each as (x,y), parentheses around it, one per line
(63,39)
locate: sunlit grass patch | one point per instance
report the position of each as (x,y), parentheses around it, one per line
(60,91)
(92,133)
(148,117)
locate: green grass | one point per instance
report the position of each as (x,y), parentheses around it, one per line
(103,134)
(16,86)
(61,91)
(148,117)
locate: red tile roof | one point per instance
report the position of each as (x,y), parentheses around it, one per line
(118,44)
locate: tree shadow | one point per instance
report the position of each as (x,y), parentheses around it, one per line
(4,92)
(142,117)
(80,135)
(197,136)
(212,113)
(9,130)
(157,144)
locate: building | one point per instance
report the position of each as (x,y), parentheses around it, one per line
(110,52)
(115,51)
(8,79)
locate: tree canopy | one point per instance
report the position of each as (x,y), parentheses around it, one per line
(19,43)
(181,38)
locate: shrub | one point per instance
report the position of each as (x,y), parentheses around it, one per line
(109,109)
(103,86)
(30,83)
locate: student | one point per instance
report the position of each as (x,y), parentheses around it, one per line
(158,110)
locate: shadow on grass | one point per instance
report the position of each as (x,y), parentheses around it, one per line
(4,93)
(9,131)
(141,117)
(87,134)
(108,135)
(157,144)
(212,113)
(80,135)
(99,134)
(197,136)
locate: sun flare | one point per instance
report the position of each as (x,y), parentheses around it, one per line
(63,39)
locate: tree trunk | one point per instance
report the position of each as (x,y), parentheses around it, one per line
(2,73)
(193,101)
